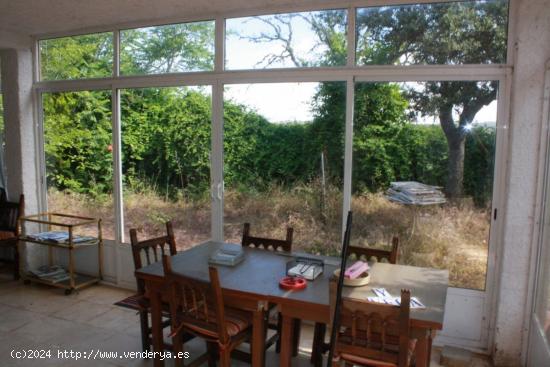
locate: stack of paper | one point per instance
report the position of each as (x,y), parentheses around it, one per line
(383,296)
(53,274)
(309,271)
(415,193)
(59,237)
(227,254)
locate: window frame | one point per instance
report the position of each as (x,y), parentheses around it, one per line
(216,79)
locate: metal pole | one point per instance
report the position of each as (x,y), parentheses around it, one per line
(336,316)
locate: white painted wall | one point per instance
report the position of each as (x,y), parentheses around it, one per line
(20,155)
(532,42)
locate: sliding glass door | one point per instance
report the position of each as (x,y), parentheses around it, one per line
(539,331)
(283,162)
(166,135)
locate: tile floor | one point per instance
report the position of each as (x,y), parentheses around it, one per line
(35,317)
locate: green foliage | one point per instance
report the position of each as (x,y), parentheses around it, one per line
(166,139)
(480,164)
(77,134)
(166,132)
(167,49)
(467,32)
(87,56)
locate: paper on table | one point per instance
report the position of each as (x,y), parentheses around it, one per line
(415,303)
(384,297)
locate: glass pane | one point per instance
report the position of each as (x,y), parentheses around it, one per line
(79,162)
(167,49)
(440,134)
(77,57)
(273,149)
(166,162)
(542,300)
(286,40)
(468,32)
(542,305)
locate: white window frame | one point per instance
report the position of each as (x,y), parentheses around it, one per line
(349,73)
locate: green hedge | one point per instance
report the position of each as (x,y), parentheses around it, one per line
(166,144)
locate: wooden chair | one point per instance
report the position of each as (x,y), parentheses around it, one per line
(373,334)
(9,228)
(197,307)
(267,243)
(147,250)
(274,245)
(368,253)
(319,345)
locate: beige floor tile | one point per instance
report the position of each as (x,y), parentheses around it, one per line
(44,301)
(13,318)
(40,317)
(81,311)
(104,295)
(116,319)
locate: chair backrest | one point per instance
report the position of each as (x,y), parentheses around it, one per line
(150,248)
(196,305)
(9,213)
(267,243)
(379,254)
(373,332)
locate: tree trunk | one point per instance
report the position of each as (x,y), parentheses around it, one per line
(455,142)
(455,175)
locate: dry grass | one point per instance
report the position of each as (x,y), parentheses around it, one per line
(453,236)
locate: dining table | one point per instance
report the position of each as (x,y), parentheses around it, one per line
(253,284)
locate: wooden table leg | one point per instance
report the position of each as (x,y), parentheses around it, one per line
(286,342)
(317,348)
(156,325)
(258,338)
(423,350)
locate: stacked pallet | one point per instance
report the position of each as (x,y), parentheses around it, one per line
(415,193)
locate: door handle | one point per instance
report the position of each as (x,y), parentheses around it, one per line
(220,190)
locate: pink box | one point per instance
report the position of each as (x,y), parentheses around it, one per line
(356,269)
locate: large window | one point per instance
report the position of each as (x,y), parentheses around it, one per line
(79,160)
(166,162)
(284,162)
(277,139)
(77,57)
(167,49)
(440,134)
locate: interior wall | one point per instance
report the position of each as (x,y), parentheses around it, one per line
(19,128)
(532,49)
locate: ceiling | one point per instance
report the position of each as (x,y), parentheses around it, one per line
(24,18)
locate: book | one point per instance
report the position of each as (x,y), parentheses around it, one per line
(305,268)
(227,254)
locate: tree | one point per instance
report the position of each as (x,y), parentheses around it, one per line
(167,49)
(450,33)
(378,106)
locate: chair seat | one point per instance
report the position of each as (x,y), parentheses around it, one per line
(134,302)
(392,346)
(365,361)
(7,235)
(139,302)
(236,321)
